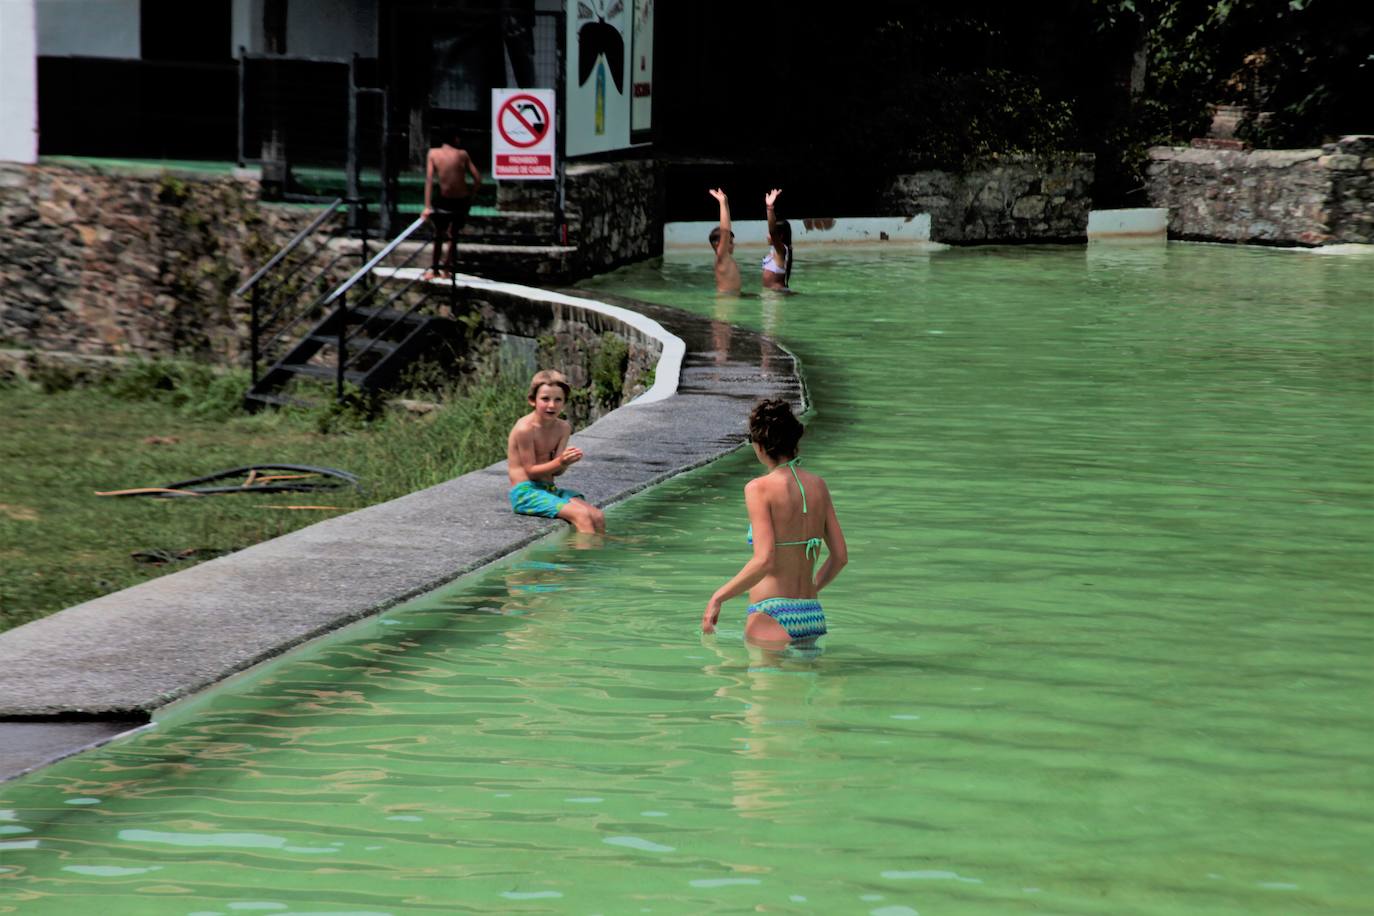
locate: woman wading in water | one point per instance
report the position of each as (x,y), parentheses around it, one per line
(790,517)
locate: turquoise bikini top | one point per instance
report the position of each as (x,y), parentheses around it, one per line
(812,545)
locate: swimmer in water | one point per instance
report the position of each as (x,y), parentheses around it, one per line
(790,517)
(722,240)
(777,264)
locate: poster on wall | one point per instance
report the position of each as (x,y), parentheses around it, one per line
(642,73)
(522,134)
(598,79)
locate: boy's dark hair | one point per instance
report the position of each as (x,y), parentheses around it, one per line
(775,428)
(714,237)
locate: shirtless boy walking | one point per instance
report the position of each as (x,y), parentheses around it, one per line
(448,212)
(537,451)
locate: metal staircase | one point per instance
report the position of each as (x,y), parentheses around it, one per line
(363,331)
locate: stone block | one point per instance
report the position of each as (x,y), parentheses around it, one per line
(1356,145)
(55,213)
(1031,206)
(1341,162)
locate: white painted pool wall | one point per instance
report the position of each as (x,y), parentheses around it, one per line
(18,81)
(849,229)
(1141,223)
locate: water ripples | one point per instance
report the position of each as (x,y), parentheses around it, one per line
(1103,645)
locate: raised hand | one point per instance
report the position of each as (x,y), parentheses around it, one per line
(717,193)
(771,196)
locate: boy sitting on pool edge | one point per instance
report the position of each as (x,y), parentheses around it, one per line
(537,451)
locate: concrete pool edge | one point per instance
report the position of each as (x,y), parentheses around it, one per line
(123,656)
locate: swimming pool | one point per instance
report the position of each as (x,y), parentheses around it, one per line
(1102,646)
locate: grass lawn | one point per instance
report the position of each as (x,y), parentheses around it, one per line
(61,545)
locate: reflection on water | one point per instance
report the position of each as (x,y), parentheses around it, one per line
(1102,646)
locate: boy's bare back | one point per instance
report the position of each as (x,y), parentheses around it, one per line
(530,444)
(451,167)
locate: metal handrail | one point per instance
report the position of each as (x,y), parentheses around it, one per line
(291,245)
(366,269)
(271,319)
(414,307)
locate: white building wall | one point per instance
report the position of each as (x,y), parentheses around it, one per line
(18,82)
(87,28)
(247,26)
(314,28)
(319,28)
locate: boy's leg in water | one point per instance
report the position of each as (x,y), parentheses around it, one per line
(583,516)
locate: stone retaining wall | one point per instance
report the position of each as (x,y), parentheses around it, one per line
(615,213)
(130,264)
(1276,197)
(1010,198)
(606,361)
(144,264)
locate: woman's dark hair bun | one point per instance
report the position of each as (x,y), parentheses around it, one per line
(775,428)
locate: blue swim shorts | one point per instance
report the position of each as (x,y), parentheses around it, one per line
(533,497)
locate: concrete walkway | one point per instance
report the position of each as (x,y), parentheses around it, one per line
(93,671)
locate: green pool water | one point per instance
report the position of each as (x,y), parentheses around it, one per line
(1103,646)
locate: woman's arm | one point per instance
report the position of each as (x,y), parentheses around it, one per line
(834,542)
(759,565)
(768,200)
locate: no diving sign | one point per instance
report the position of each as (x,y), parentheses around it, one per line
(522,133)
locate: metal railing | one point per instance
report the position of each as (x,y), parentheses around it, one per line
(380,316)
(275,292)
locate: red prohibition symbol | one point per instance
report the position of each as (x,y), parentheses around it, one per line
(523,121)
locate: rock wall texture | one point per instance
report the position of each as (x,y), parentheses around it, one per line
(606,362)
(615,213)
(1276,197)
(1011,198)
(96,265)
(129,264)
(145,264)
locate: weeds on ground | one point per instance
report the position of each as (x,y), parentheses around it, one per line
(159,422)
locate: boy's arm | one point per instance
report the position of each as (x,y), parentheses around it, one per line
(476,175)
(562,447)
(726,246)
(524,453)
(429,183)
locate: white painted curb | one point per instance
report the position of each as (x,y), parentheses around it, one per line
(668,371)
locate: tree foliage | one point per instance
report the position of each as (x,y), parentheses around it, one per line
(883,87)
